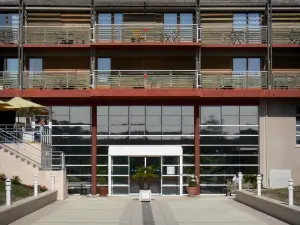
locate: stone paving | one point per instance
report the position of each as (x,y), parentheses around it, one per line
(79,210)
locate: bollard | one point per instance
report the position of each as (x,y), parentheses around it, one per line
(52,182)
(8,191)
(291,191)
(240,177)
(258,185)
(35,186)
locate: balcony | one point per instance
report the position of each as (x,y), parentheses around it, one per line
(286,79)
(145,79)
(233,79)
(56,34)
(286,35)
(9,35)
(231,35)
(146,33)
(57,80)
(8,80)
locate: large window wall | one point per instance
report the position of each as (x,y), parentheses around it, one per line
(229,141)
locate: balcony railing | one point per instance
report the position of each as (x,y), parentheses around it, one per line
(286,35)
(233,79)
(57,34)
(234,35)
(146,79)
(146,33)
(286,79)
(8,80)
(9,35)
(57,80)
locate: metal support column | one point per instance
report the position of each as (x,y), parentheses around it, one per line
(20,43)
(198,51)
(270,44)
(197,143)
(94,149)
(92,38)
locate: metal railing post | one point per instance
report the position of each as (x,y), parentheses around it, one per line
(62,161)
(45,36)
(119,80)
(171,79)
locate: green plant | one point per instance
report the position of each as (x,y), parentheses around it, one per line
(145,174)
(2,177)
(102,180)
(252,179)
(16,180)
(43,188)
(192,181)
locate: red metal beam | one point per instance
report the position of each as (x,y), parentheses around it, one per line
(8,45)
(234,45)
(154,94)
(145,44)
(56,45)
(286,45)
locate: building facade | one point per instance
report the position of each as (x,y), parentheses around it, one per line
(209,88)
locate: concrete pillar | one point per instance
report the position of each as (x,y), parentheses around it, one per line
(94,150)
(197,143)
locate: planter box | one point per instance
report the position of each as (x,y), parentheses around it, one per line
(145,195)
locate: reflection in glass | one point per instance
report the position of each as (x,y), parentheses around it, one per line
(170,190)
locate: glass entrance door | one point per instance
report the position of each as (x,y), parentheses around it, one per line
(155,184)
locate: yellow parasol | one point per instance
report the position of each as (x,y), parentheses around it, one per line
(19,103)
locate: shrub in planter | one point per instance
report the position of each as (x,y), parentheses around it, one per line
(103,190)
(2,177)
(16,180)
(193,186)
(43,188)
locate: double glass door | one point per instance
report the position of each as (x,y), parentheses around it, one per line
(155,184)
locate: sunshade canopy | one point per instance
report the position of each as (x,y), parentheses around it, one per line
(19,103)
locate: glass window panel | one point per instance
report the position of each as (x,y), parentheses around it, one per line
(60,120)
(137,130)
(102,160)
(188,110)
(12,65)
(211,115)
(119,190)
(102,170)
(188,130)
(60,110)
(188,120)
(171,120)
(212,190)
(119,160)
(298,140)
(230,120)
(248,110)
(171,140)
(248,120)
(170,190)
(102,150)
(298,120)
(171,130)
(36,64)
(229,150)
(103,140)
(102,130)
(77,179)
(153,110)
(118,120)
(154,130)
(67,130)
(189,159)
(102,120)
(2,19)
(254,64)
(137,110)
(228,169)
(153,140)
(119,170)
(137,140)
(231,130)
(118,110)
(119,180)
(205,130)
(298,110)
(215,179)
(68,150)
(188,170)
(78,160)
(80,115)
(230,110)
(165,170)
(120,140)
(185,140)
(170,160)
(229,140)
(153,120)
(228,160)
(188,150)
(171,110)
(170,180)
(249,130)
(102,110)
(118,130)
(79,140)
(78,170)
(137,120)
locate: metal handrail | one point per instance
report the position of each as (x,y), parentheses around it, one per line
(77,34)
(146,78)
(234,35)
(9,79)
(286,79)
(9,34)
(286,35)
(233,79)
(53,160)
(151,32)
(57,79)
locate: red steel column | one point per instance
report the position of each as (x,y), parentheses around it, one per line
(94,150)
(197,143)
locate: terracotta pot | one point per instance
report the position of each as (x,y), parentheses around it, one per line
(192,191)
(103,191)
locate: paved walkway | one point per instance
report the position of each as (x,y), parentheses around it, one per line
(161,211)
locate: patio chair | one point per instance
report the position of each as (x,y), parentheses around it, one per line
(137,36)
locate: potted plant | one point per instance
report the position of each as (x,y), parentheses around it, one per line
(103,190)
(192,188)
(143,176)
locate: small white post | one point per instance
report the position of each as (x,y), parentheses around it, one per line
(52,182)
(258,185)
(291,191)
(240,177)
(35,186)
(8,191)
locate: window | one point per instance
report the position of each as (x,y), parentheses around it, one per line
(9,24)
(103,67)
(298,125)
(243,66)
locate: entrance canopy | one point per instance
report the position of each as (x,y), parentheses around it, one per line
(145,150)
